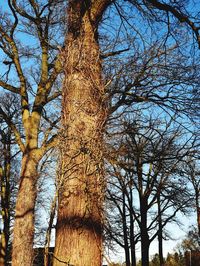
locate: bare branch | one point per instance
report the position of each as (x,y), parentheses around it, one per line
(9,87)
(14,129)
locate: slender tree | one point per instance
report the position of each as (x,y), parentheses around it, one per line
(36,85)
(192,172)
(5,172)
(8,167)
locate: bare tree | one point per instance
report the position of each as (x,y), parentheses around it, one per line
(8,168)
(192,173)
(30,31)
(144,165)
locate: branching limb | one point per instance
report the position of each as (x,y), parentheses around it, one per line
(9,87)
(103,56)
(15,16)
(14,130)
(183,18)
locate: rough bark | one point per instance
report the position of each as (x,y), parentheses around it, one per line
(79,223)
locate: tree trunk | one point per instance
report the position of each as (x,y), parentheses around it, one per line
(197,197)
(125,233)
(47,255)
(145,248)
(144,234)
(160,233)
(22,249)
(2,236)
(5,203)
(79,223)
(132,234)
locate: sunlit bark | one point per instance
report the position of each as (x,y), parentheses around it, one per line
(24,214)
(79,225)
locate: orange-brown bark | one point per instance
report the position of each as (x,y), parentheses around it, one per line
(79,225)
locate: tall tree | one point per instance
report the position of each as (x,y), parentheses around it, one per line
(29,31)
(84,114)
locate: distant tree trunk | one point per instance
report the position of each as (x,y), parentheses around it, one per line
(143,215)
(125,233)
(160,233)
(196,187)
(144,233)
(132,235)
(47,256)
(79,222)
(198,220)
(22,246)
(5,201)
(197,198)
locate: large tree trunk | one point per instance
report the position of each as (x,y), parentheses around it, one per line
(79,223)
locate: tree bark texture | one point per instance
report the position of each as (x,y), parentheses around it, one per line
(81,185)
(22,246)
(22,251)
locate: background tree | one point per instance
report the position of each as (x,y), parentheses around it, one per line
(144,159)
(8,168)
(30,32)
(191,241)
(192,172)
